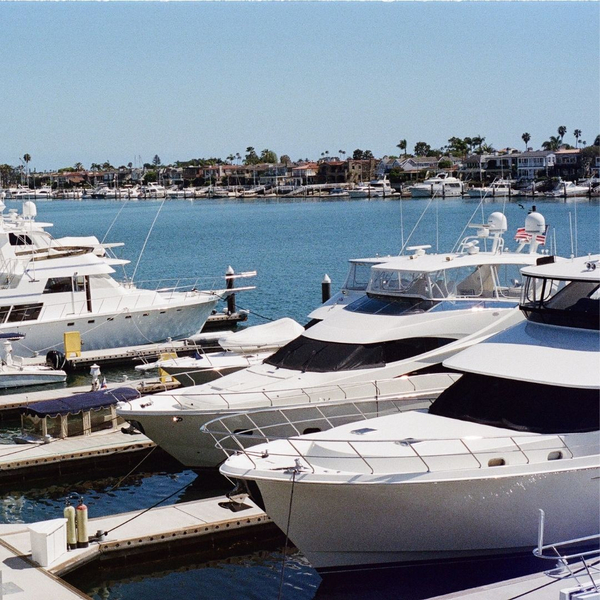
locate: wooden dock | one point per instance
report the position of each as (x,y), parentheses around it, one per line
(208,523)
(20,461)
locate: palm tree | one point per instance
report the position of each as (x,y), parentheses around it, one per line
(402,146)
(526,137)
(561,131)
(78,166)
(552,144)
(230,158)
(577,134)
(27,158)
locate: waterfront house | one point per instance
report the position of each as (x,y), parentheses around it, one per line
(568,164)
(488,167)
(532,164)
(305,173)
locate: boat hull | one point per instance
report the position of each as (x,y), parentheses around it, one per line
(354,526)
(25,378)
(113,330)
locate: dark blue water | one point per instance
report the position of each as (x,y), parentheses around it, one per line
(292,244)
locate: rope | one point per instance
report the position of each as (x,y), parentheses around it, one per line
(147,238)
(132,470)
(187,485)
(114,221)
(417,224)
(287,535)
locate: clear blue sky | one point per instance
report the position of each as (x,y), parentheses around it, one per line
(91,82)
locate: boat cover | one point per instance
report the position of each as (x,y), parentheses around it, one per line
(12,336)
(261,337)
(80,402)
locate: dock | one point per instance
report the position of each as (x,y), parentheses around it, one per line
(202,523)
(60,456)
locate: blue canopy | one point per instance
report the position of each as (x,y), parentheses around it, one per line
(80,402)
(12,336)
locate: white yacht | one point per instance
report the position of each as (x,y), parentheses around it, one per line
(377,188)
(417,311)
(153,190)
(568,189)
(53,286)
(518,432)
(442,185)
(498,189)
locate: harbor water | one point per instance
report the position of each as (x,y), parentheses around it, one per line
(292,244)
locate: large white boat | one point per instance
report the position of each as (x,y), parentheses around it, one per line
(443,185)
(518,432)
(53,286)
(567,189)
(417,311)
(377,188)
(497,189)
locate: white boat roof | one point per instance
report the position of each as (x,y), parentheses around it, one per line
(429,263)
(64,266)
(575,268)
(544,354)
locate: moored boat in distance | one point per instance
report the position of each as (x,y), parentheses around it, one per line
(497,189)
(518,432)
(376,188)
(443,185)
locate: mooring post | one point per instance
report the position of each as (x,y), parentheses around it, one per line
(229,279)
(325,288)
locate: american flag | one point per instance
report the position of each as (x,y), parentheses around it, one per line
(522,235)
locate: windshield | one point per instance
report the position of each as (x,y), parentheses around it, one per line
(519,405)
(305,354)
(563,303)
(358,276)
(472,281)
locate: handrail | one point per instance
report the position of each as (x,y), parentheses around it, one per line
(259,435)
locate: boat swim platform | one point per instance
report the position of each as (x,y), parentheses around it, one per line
(198,525)
(61,456)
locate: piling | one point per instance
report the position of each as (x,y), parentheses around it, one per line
(229,283)
(325,288)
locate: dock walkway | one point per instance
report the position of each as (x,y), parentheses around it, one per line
(201,521)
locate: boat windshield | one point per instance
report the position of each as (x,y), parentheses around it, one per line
(358,276)
(563,303)
(519,405)
(305,354)
(473,281)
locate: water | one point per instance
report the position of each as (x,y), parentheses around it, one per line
(292,244)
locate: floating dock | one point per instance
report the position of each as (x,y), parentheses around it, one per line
(20,461)
(204,523)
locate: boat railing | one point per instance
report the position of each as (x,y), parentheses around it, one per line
(371,456)
(576,559)
(377,390)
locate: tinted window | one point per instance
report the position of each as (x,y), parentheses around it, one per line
(26,312)
(376,306)
(19,240)
(305,354)
(519,405)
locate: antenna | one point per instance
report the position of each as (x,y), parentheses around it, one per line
(571,232)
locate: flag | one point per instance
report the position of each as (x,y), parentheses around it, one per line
(104,384)
(523,236)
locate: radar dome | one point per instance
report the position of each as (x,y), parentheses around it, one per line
(29,209)
(535,223)
(497,222)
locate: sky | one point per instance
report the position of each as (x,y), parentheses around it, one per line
(124,81)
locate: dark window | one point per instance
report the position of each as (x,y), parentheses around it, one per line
(25,312)
(305,354)
(519,405)
(577,304)
(4,310)
(19,239)
(55,285)
(372,305)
